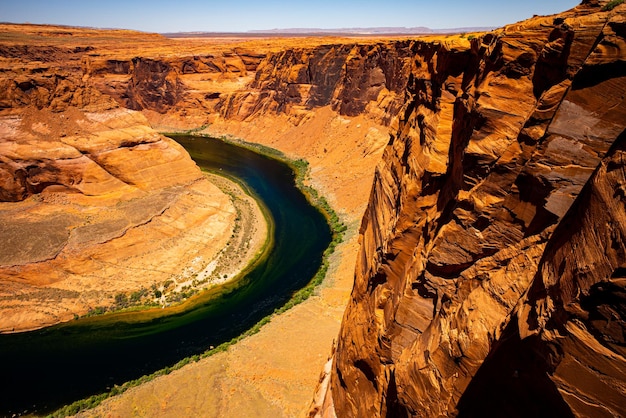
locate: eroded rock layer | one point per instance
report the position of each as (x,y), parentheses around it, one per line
(492,255)
(352,79)
(96,208)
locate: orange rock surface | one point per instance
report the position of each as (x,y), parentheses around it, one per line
(490,271)
(96,205)
(488,282)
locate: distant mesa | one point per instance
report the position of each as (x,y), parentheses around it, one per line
(391,30)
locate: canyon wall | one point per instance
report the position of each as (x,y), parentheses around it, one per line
(352,79)
(202,84)
(154,76)
(490,275)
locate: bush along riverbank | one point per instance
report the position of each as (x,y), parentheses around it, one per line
(300,168)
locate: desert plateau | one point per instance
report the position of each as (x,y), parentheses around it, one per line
(457,244)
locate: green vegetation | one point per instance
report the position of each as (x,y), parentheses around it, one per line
(141,299)
(98,310)
(611,5)
(121,300)
(138,295)
(193,131)
(338,228)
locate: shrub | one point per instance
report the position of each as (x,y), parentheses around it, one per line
(121,299)
(611,5)
(136,296)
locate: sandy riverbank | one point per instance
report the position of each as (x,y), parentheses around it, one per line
(248,238)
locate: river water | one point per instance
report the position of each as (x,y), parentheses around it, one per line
(45,369)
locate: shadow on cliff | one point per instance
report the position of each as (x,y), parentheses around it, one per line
(517,379)
(514,381)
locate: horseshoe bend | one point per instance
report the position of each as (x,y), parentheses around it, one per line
(480,176)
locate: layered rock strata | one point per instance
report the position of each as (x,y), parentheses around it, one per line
(92,71)
(352,79)
(98,209)
(489,279)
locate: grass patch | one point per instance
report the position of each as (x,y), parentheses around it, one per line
(338,229)
(611,5)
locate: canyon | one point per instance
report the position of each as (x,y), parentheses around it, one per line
(481,177)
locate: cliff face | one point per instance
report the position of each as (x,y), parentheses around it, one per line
(365,77)
(185,82)
(46,77)
(351,79)
(56,68)
(491,260)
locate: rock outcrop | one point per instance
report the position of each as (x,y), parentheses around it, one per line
(97,206)
(490,275)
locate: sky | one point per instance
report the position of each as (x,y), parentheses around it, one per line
(243,15)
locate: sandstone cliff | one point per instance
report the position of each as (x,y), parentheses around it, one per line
(490,274)
(352,79)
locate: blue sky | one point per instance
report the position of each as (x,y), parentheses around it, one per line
(243,15)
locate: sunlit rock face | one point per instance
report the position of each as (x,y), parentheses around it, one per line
(490,278)
(178,83)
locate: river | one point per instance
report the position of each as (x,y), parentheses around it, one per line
(45,369)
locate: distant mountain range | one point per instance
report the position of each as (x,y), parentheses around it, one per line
(419,30)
